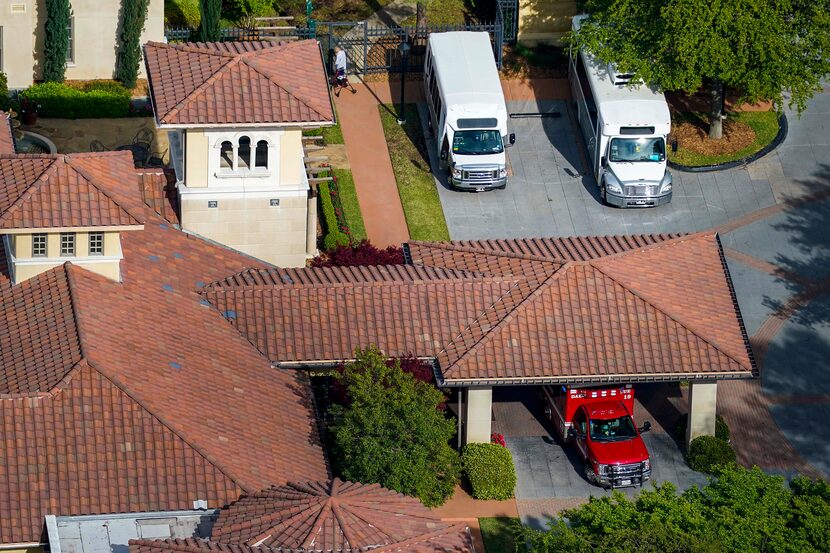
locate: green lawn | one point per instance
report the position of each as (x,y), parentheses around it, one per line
(331,135)
(498,534)
(416,185)
(764,123)
(351,208)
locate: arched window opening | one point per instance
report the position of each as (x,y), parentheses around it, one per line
(226,155)
(244,153)
(262,154)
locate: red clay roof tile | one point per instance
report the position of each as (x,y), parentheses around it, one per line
(229,83)
(75,190)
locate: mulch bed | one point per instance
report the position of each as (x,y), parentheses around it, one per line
(694,137)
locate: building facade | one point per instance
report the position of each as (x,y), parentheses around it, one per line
(93,38)
(235,130)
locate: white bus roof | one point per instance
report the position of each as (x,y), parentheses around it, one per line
(464,63)
(623,105)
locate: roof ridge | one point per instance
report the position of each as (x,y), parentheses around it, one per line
(669,316)
(81,171)
(251,61)
(27,193)
(165,423)
(653,246)
(452,246)
(234,60)
(508,316)
(734,297)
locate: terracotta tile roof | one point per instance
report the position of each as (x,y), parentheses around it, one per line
(232,83)
(327,320)
(165,404)
(669,298)
(329,516)
(39,342)
(6,138)
(332,516)
(76,190)
(158,189)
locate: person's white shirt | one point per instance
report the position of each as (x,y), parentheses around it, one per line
(340,61)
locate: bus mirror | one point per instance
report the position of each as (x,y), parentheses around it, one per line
(603,162)
(443,155)
(512,138)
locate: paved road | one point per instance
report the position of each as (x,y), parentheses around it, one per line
(552,193)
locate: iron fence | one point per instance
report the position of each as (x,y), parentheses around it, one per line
(374,49)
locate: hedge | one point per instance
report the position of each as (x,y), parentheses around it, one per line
(489,468)
(96,100)
(5,101)
(708,452)
(333,237)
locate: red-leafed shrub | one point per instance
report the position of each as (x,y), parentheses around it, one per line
(363,253)
(496,438)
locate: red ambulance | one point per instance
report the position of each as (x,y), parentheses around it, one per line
(599,421)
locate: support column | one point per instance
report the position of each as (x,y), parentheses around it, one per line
(311,226)
(478,414)
(703,400)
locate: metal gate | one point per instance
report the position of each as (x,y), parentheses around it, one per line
(350,36)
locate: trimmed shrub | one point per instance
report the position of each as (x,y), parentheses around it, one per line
(211,14)
(133,16)
(360,254)
(56,39)
(182,12)
(708,452)
(489,468)
(5,100)
(333,238)
(721,428)
(237,9)
(99,100)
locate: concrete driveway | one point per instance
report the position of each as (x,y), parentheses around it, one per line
(552,192)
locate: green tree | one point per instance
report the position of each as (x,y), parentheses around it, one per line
(761,48)
(391,431)
(56,39)
(739,510)
(133,16)
(211,12)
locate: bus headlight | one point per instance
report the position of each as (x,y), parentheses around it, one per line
(503,172)
(456,172)
(602,469)
(646,465)
(665,184)
(612,184)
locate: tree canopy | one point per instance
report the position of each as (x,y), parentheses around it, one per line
(763,49)
(211,12)
(133,16)
(391,431)
(56,39)
(739,510)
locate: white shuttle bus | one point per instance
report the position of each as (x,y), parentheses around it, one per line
(467,112)
(625,130)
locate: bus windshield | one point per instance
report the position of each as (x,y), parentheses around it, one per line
(637,149)
(472,143)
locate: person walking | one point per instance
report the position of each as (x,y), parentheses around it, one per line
(341,81)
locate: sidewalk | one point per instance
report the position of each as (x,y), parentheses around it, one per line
(377,190)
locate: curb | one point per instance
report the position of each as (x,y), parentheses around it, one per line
(779,138)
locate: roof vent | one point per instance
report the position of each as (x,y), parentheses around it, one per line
(200,504)
(153,258)
(177,255)
(167,288)
(174,365)
(17,8)
(287,279)
(229,314)
(619,79)
(204,303)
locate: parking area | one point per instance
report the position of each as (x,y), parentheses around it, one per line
(547,469)
(551,191)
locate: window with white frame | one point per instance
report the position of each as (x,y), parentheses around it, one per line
(96,243)
(38,245)
(242,155)
(70,50)
(67,244)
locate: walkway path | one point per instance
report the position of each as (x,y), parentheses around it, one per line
(377,191)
